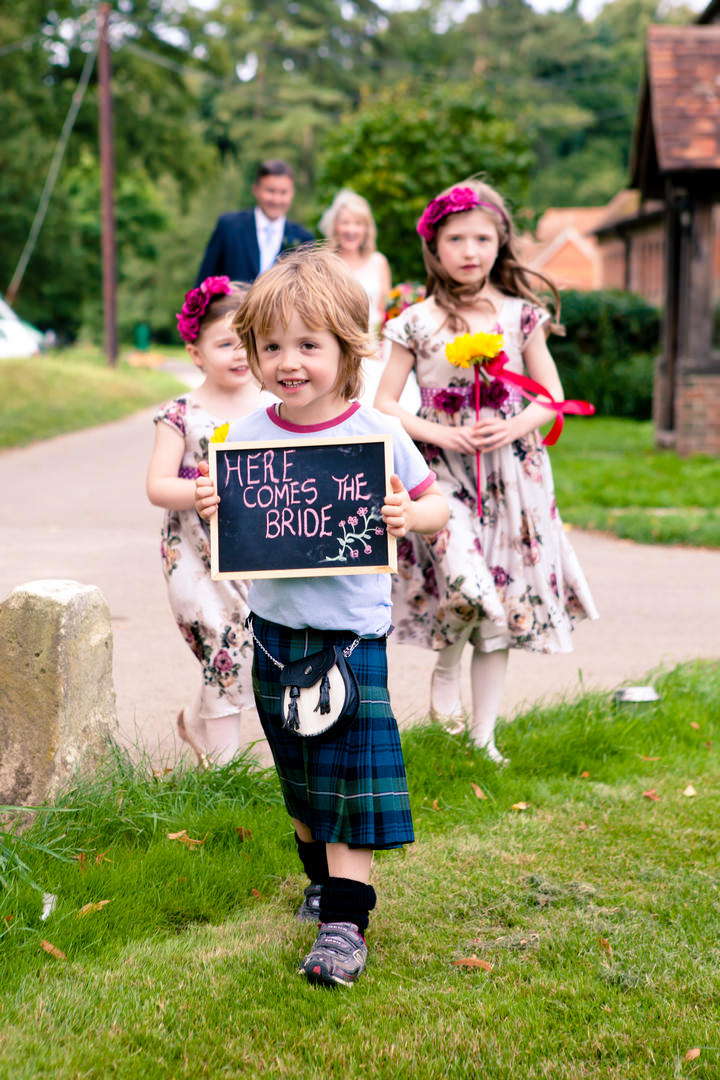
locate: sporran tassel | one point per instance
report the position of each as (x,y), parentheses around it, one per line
(293,721)
(324,700)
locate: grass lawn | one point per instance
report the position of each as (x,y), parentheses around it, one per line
(609,476)
(66,390)
(559,918)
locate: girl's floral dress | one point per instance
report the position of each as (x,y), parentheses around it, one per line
(510,578)
(210,614)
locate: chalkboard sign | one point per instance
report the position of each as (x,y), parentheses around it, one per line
(301,507)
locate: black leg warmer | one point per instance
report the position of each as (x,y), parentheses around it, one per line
(346,900)
(314,859)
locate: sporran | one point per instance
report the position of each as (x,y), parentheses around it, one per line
(320,693)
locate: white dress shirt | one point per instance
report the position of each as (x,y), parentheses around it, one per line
(270,236)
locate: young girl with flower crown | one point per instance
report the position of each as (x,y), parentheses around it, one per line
(304,324)
(210,614)
(502,574)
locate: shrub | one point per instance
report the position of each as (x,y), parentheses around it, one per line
(607,354)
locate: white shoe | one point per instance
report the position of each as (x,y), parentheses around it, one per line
(454,722)
(493,753)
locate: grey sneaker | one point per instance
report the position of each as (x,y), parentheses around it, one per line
(309,910)
(337,957)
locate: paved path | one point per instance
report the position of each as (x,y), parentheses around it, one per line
(75,507)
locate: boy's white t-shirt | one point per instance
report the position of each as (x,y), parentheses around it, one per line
(359,603)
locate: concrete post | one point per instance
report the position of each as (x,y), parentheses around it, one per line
(57,699)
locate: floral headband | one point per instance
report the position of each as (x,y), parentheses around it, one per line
(195,306)
(456,200)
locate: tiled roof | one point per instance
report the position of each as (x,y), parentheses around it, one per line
(684,78)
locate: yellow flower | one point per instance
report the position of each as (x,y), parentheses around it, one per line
(469,349)
(220,434)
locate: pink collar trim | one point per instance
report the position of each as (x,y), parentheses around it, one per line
(336,420)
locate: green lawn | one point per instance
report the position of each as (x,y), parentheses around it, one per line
(565,925)
(609,476)
(66,390)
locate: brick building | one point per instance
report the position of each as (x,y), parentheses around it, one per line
(675,163)
(662,238)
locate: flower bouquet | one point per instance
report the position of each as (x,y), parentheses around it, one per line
(475,351)
(401,297)
(484,353)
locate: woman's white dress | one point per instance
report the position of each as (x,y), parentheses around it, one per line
(370,277)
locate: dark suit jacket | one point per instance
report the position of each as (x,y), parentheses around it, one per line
(233,247)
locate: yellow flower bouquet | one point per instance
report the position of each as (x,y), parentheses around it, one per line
(476,351)
(484,353)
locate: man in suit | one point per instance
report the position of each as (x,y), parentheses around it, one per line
(247,242)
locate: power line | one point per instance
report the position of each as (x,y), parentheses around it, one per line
(52,175)
(173,65)
(6,49)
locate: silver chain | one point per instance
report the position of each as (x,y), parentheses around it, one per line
(347,651)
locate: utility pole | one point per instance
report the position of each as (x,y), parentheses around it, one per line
(107,172)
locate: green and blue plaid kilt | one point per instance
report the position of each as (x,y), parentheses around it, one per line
(350,789)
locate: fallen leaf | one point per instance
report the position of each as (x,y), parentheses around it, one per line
(520,806)
(435,804)
(478,790)
(183,837)
(644,757)
(97,905)
(584,775)
(256,892)
(605,944)
(689,791)
(473,962)
(694,724)
(651,794)
(709,745)
(693,1054)
(582,826)
(243,834)
(81,859)
(99,858)
(53,950)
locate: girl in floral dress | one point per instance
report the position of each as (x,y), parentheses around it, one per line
(502,574)
(210,614)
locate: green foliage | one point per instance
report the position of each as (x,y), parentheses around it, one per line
(202,94)
(607,354)
(403,145)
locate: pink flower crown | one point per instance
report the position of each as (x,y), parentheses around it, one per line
(195,305)
(456,200)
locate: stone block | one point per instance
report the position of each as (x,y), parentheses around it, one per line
(57,698)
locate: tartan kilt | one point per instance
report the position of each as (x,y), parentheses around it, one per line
(349,789)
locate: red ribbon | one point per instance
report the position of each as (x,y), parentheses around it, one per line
(531,390)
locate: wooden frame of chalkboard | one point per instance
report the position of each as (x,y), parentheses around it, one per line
(301,508)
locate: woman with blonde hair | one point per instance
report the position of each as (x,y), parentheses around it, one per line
(349,227)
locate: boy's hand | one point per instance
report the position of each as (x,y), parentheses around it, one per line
(397,510)
(206,497)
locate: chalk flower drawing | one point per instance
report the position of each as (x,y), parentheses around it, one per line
(358,529)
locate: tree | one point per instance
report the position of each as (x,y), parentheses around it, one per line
(407,143)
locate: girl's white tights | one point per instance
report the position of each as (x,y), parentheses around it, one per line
(487,677)
(222,737)
(445,694)
(219,738)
